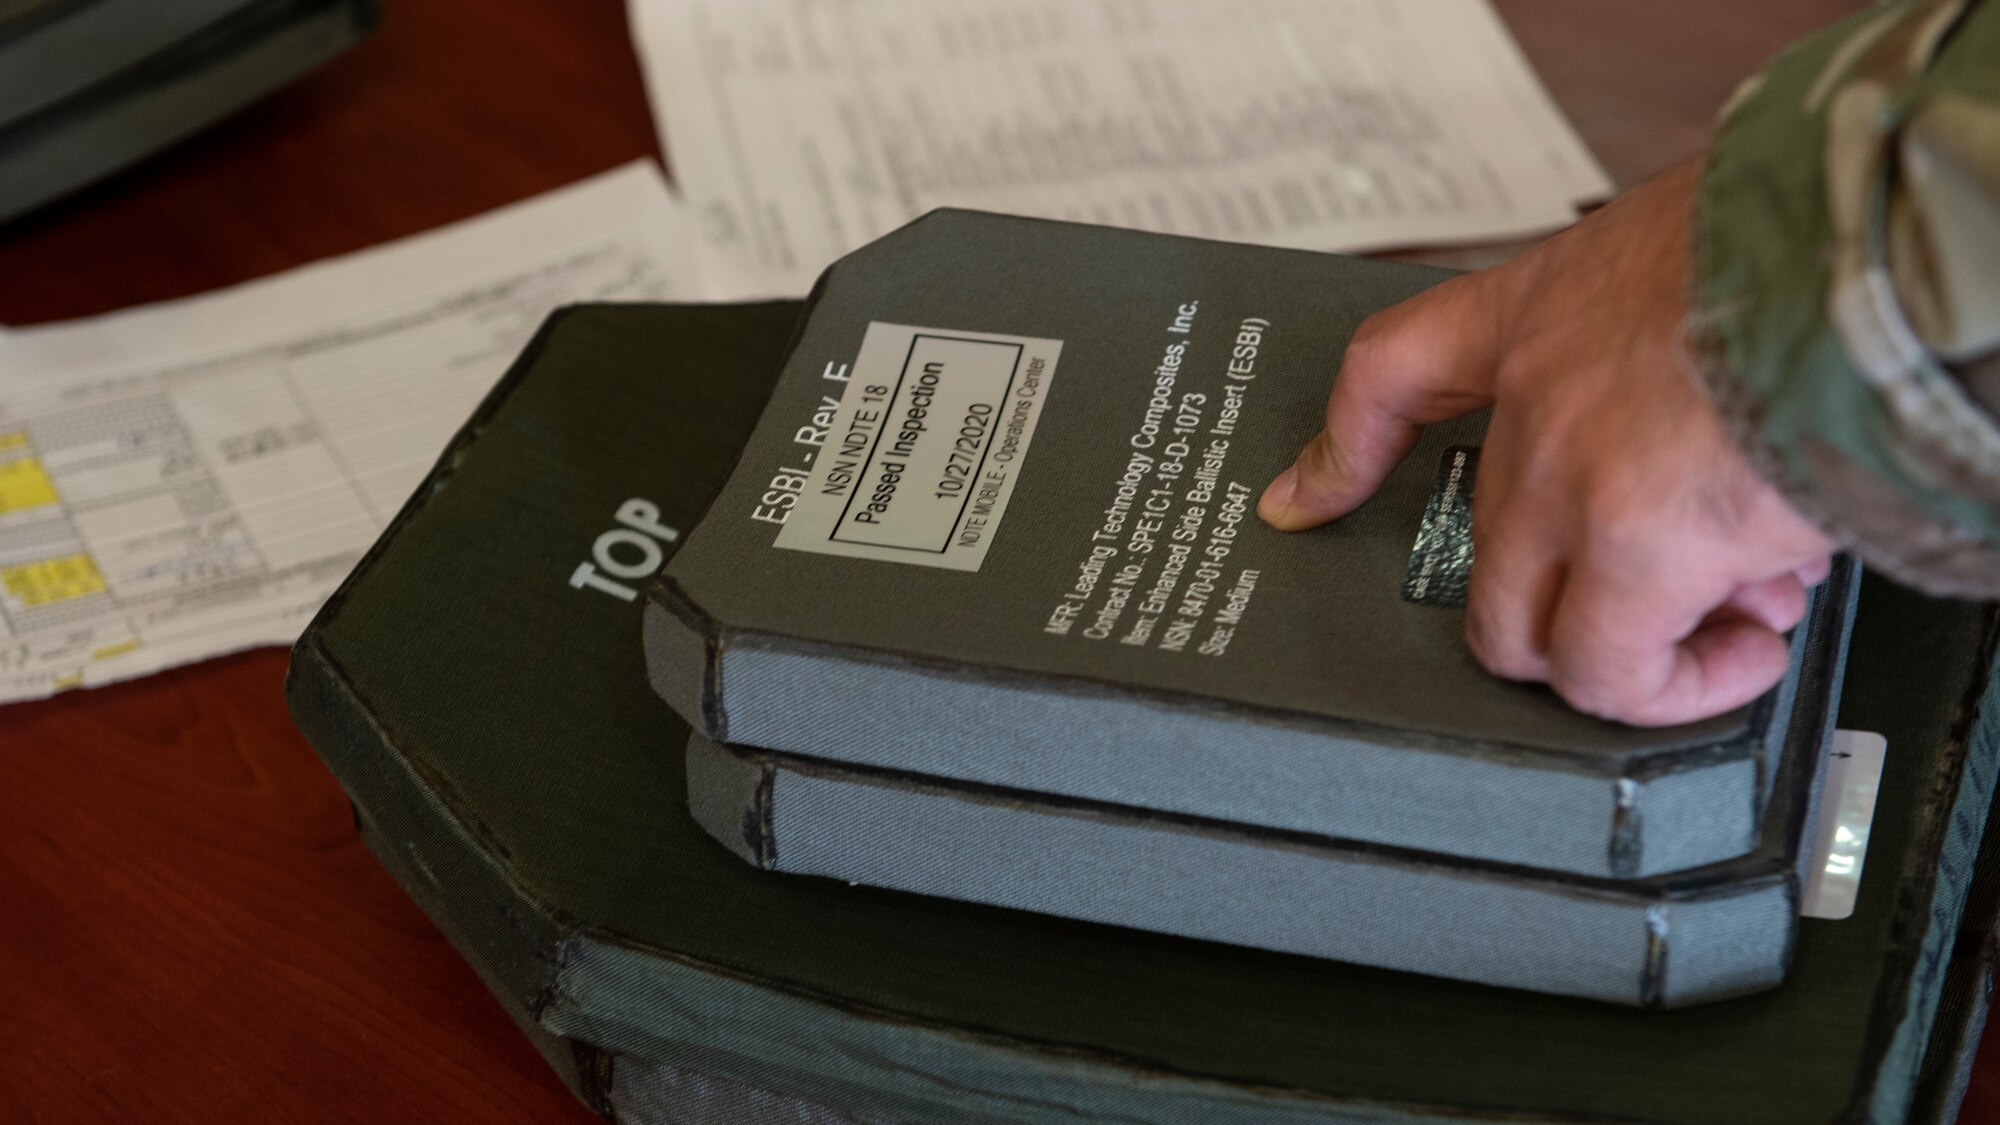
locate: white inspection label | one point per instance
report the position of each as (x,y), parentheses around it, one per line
(925,450)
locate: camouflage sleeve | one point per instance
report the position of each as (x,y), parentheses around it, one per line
(1846,288)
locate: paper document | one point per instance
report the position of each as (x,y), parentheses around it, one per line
(190,478)
(801,129)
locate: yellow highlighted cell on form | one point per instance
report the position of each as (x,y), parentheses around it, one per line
(16,440)
(24,484)
(52,580)
(109,651)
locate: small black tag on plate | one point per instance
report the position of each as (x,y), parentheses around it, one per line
(1442,559)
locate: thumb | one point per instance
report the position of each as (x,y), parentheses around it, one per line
(1425,360)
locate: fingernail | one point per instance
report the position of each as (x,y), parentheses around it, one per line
(1277,498)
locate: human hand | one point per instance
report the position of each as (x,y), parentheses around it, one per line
(1625,552)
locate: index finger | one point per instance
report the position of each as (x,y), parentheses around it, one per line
(1422,361)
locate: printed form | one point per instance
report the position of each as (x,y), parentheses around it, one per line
(191,478)
(801,129)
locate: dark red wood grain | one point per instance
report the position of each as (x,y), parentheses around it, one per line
(189,929)
(192,933)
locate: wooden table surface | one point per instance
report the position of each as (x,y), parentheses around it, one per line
(189,930)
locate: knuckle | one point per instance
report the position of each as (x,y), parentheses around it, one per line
(1372,352)
(1498,649)
(1608,689)
(1513,666)
(1516,375)
(1370,337)
(1593,694)
(1621,516)
(1321,460)
(1499,611)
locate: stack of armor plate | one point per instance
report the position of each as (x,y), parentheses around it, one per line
(985,612)
(483,698)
